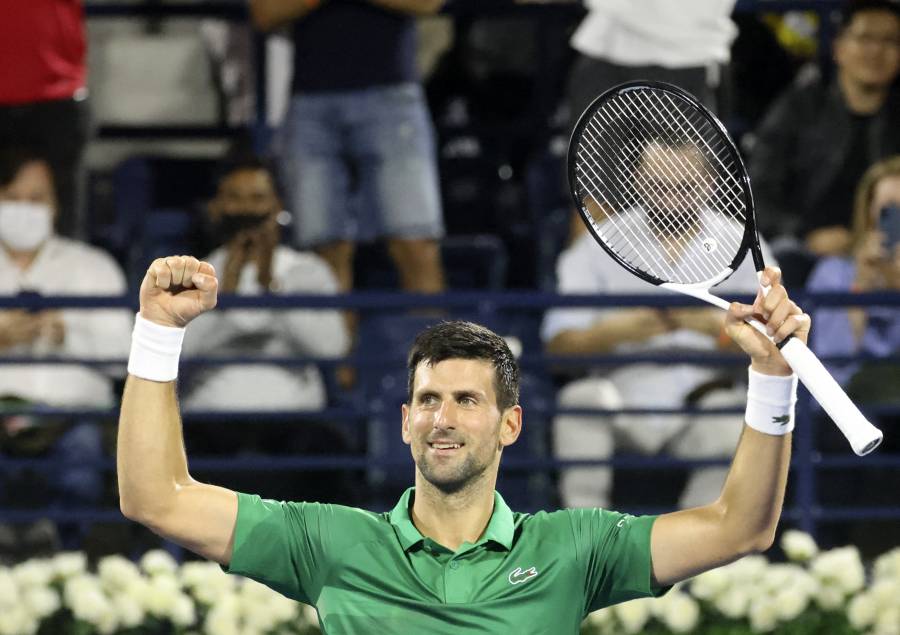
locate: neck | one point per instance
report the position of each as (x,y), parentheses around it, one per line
(21,259)
(452,519)
(862,99)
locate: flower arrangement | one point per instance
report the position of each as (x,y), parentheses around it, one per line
(816,592)
(157,596)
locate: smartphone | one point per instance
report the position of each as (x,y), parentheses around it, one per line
(889,225)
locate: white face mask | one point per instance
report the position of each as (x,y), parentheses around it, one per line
(24,226)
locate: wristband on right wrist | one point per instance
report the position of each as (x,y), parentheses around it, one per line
(155,350)
(771,402)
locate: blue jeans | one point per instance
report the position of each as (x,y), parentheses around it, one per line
(359,165)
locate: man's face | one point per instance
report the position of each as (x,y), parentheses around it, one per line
(248,191)
(32,184)
(674,184)
(867,52)
(453,425)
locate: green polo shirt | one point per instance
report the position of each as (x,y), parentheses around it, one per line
(367,572)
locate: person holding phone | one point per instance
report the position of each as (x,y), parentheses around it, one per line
(872,265)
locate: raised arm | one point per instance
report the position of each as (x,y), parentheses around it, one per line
(155,488)
(415,7)
(744,518)
(271,14)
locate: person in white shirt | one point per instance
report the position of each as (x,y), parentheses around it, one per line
(677,220)
(682,43)
(35,260)
(251,261)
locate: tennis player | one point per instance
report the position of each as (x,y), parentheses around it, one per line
(451,557)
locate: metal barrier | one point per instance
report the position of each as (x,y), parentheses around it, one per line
(807,462)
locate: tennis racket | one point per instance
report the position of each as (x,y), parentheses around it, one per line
(662,188)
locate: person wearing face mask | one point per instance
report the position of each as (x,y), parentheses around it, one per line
(244,216)
(33,259)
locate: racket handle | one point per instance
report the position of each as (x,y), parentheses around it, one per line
(862,435)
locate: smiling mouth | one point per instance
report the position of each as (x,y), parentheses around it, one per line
(445,446)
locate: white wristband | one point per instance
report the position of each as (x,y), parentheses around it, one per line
(770,403)
(155,350)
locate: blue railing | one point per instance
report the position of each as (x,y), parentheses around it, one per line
(807,463)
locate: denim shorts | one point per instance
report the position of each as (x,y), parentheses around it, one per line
(359,165)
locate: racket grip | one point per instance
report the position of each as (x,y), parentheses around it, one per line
(862,435)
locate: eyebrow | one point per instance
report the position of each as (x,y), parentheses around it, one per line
(458,394)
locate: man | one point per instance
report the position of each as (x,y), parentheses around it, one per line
(244,214)
(671,216)
(451,557)
(818,138)
(357,148)
(35,260)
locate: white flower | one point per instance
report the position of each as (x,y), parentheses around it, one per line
(129,611)
(157,561)
(888,622)
(16,620)
(681,613)
(633,614)
(206,581)
(790,603)
(763,614)
(89,603)
(748,569)
(841,567)
(886,593)
(887,565)
(223,617)
(285,609)
(161,595)
(37,572)
(830,597)
(116,572)
(798,545)
(183,612)
(862,611)
(710,584)
(599,618)
(733,602)
(311,615)
(9,590)
(41,601)
(68,564)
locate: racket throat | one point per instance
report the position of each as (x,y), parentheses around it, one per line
(701,292)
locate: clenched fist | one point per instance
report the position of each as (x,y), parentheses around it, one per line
(177,289)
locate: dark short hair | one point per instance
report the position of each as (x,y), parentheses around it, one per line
(14,158)
(466,340)
(240,161)
(851,7)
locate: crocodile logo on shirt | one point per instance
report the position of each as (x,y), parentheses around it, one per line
(517,576)
(783,419)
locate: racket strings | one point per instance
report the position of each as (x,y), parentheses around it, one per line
(670,189)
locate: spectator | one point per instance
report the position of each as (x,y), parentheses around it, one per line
(584,267)
(872,265)
(818,138)
(35,260)
(682,43)
(251,261)
(43,94)
(358,153)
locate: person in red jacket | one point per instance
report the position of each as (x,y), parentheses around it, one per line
(43,93)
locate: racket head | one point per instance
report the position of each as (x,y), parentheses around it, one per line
(613,140)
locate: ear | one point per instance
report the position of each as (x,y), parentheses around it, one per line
(510,425)
(214,209)
(404,430)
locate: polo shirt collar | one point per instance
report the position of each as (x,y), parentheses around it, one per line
(499,530)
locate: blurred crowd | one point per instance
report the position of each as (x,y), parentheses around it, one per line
(412,145)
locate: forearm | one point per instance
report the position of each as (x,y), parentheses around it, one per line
(151,461)
(415,7)
(271,14)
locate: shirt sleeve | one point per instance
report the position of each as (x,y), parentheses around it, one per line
(614,550)
(283,545)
